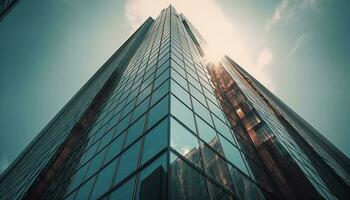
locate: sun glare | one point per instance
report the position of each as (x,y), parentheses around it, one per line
(212,54)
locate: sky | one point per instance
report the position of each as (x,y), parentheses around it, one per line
(297,48)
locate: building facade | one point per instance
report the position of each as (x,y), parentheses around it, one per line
(156,122)
(6,6)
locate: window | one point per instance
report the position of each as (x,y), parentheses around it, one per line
(115,147)
(178,68)
(186,182)
(222,128)
(84,191)
(217,193)
(147,91)
(160,92)
(155,140)
(124,191)
(104,180)
(216,167)
(182,113)
(152,181)
(106,139)
(198,95)
(89,153)
(202,111)
(158,111)
(233,154)
(78,177)
(161,78)
(128,162)
(180,93)
(179,79)
(123,124)
(96,162)
(184,142)
(140,109)
(135,131)
(208,134)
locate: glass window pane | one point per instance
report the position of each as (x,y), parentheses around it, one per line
(155,140)
(216,167)
(124,191)
(197,94)
(216,193)
(182,113)
(158,111)
(184,142)
(128,162)
(106,139)
(245,188)
(160,79)
(123,124)
(152,181)
(233,154)
(160,92)
(222,128)
(78,177)
(179,79)
(202,111)
(186,182)
(115,147)
(135,131)
(104,180)
(96,163)
(84,191)
(180,93)
(208,134)
(140,109)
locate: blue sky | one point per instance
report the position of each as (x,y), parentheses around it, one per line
(297,48)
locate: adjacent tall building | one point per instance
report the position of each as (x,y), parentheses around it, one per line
(155,122)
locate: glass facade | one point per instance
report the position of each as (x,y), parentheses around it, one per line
(6,6)
(165,125)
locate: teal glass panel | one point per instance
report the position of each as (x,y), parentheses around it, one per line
(182,113)
(158,111)
(155,140)
(184,142)
(124,191)
(186,182)
(152,182)
(128,162)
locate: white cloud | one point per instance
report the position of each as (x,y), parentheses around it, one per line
(298,43)
(277,15)
(217,29)
(4,163)
(290,10)
(264,59)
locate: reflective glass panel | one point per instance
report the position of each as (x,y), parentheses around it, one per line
(158,111)
(104,180)
(182,113)
(233,154)
(135,131)
(216,193)
(115,147)
(124,191)
(155,140)
(184,142)
(152,181)
(216,167)
(84,190)
(186,182)
(128,162)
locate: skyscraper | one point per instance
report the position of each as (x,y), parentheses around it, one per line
(6,6)
(158,122)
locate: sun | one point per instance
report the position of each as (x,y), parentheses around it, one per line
(212,54)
